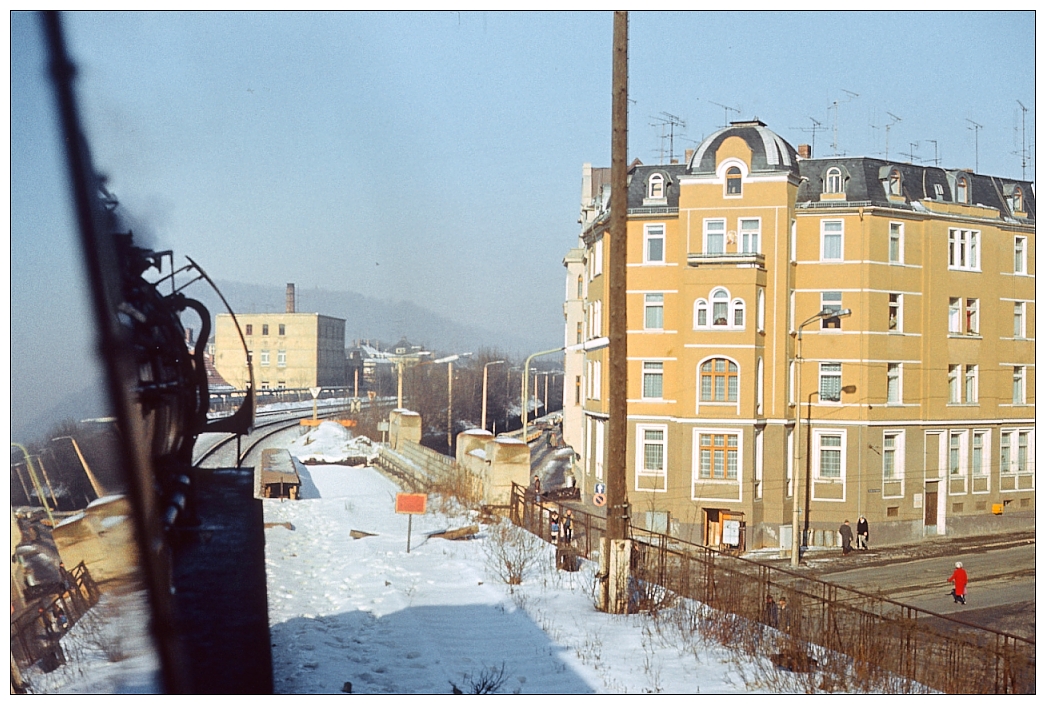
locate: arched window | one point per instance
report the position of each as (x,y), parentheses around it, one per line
(737,310)
(718,380)
(962,191)
(1018,200)
(894,183)
(700,314)
(733,181)
(760,310)
(833,180)
(656,186)
(720,307)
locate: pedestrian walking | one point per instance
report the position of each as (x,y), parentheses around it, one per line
(568,527)
(959,578)
(537,489)
(770,611)
(784,615)
(862,533)
(848,536)
(553,521)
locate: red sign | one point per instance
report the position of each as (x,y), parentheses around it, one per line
(410,503)
(599,499)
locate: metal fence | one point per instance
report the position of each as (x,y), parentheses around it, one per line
(937,651)
(38,629)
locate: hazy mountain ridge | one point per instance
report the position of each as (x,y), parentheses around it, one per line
(372,318)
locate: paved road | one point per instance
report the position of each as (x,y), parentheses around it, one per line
(1000,595)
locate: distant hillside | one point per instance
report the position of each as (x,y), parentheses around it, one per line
(371,318)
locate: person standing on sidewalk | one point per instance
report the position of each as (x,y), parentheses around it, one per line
(960,579)
(848,536)
(862,533)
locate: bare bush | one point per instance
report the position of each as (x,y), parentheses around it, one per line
(486,682)
(512,552)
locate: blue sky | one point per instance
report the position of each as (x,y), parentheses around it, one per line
(436,157)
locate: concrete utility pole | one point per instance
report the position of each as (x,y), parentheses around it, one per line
(615,556)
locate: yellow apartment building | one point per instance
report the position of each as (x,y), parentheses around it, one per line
(917,408)
(289,350)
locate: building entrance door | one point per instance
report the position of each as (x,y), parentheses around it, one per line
(930,508)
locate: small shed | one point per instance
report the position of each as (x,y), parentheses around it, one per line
(277,477)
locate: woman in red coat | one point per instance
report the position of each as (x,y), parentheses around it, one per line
(960,579)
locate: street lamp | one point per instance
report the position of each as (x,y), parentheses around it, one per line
(588,346)
(483,414)
(450,391)
(797,392)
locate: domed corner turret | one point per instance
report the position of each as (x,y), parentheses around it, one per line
(761,148)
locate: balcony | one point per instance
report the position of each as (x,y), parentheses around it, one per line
(727,259)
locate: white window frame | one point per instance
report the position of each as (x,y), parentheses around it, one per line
(972,316)
(760,310)
(833,180)
(984,454)
(653,232)
(895,372)
(653,369)
(817,443)
(724,300)
(740,181)
(655,186)
(264,358)
(896,235)
(1020,255)
(957,460)
(964,252)
(713,373)
(962,190)
(893,183)
(1020,319)
(1020,385)
(955,384)
(597,258)
(737,309)
(831,300)
(749,237)
(601,428)
(281,358)
(895,305)
(758,469)
(955,315)
(825,372)
(759,385)
(708,222)
(642,442)
(701,306)
(654,306)
(970,384)
(595,379)
(696,478)
(825,234)
(1010,439)
(893,454)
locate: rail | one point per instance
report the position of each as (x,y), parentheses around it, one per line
(37,630)
(875,631)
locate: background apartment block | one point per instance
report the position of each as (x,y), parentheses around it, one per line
(289,350)
(917,409)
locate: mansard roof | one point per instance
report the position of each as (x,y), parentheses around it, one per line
(864,180)
(770,151)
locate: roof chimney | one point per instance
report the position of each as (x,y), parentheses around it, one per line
(689,155)
(290,298)
(806,151)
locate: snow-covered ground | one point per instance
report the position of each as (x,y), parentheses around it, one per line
(349,604)
(365,611)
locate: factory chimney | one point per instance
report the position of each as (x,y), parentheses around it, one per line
(290,298)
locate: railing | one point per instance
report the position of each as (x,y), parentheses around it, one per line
(940,652)
(37,630)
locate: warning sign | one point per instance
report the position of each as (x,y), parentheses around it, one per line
(410,503)
(599,499)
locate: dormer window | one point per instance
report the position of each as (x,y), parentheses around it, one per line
(1014,198)
(894,183)
(962,190)
(733,181)
(833,180)
(656,186)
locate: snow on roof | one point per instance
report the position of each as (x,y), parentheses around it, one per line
(106,500)
(479,453)
(509,441)
(477,432)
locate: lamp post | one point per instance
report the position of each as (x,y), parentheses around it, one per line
(35,480)
(797,392)
(588,346)
(483,414)
(450,392)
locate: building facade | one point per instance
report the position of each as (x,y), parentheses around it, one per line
(917,409)
(288,350)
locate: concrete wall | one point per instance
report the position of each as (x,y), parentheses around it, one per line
(404,426)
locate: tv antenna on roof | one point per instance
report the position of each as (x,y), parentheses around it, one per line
(850,95)
(888,126)
(813,130)
(936,161)
(1024,145)
(726,112)
(976,143)
(670,120)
